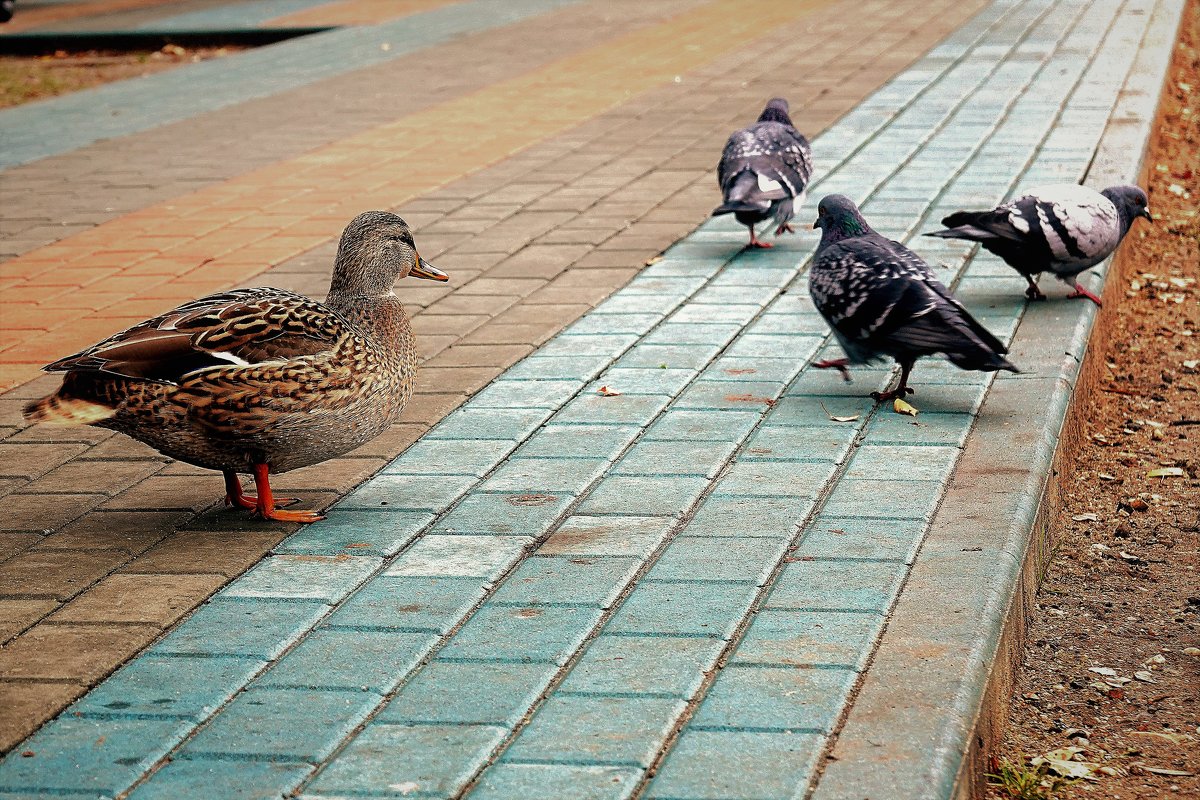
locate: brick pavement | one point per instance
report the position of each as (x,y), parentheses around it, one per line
(551,230)
(477,666)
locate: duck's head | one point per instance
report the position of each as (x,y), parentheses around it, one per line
(838,218)
(1131,203)
(376,250)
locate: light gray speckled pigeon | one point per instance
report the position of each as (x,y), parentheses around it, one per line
(764,171)
(881,299)
(1062,229)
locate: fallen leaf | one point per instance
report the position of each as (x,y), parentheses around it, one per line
(1062,762)
(604,391)
(653,260)
(901,407)
(1102,670)
(845,419)
(1144,676)
(1166,472)
(1085,518)
(1181,773)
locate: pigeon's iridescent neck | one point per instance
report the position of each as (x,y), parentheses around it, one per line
(844,228)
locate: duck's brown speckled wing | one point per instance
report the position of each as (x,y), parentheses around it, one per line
(242,327)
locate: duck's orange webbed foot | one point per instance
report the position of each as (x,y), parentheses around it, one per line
(235,496)
(279,515)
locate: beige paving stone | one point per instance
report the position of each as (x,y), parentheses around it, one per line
(215,552)
(170,493)
(44,512)
(83,653)
(24,704)
(131,531)
(151,599)
(18,614)
(12,542)
(84,476)
(466,355)
(336,475)
(59,575)
(501,334)
(34,460)
(451,380)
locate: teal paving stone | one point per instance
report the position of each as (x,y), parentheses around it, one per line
(924,429)
(450,457)
(409,603)
(556,781)
(622,303)
(837,585)
(288,724)
(632,536)
(507,633)
(683,609)
(677,266)
(775,275)
(538,367)
(669,356)
(613,323)
(525,394)
(643,665)
(677,333)
(718,559)
(580,441)
(789,324)
(707,426)
(645,380)
(621,731)
(948,398)
(350,659)
(704,394)
(469,556)
(513,424)
(292,577)
(737,765)
(799,479)
(739,315)
(915,463)
(434,760)
(153,684)
(568,580)
(773,442)
(428,493)
(735,295)
(228,780)
(96,757)
(801,348)
(469,693)
(878,539)
(796,302)
(626,409)
(742,368)
(775,699)
(890,499)
(533,475)
(260,628)
(589,344)
(673,457)
(770,517)
(357,533)
(680,285)
(934,373)
(804,638)
(824,387)
(648,496)
(511,514)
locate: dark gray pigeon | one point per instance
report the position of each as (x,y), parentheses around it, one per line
(881,299)
(764,171)
(1062,229)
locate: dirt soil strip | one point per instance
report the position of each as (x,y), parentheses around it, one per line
(1111,666)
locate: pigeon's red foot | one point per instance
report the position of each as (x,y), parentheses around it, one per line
(785,227)
(895,394)
(835,363)
(1034,293)
(759,244)
(1081,292)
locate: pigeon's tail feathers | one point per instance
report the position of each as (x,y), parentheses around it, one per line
(968,232)
(981,360)
(743,194)
(784,211)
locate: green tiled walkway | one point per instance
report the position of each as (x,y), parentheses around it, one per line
(671,593)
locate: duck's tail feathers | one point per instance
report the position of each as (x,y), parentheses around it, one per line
(56,409)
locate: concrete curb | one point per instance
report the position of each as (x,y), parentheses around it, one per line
(963,613)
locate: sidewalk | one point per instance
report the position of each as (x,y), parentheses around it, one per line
(672,593)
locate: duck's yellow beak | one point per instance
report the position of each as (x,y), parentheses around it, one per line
(424,269)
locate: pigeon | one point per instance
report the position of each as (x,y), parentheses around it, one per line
(881,299)
(1062,229)
(764,171)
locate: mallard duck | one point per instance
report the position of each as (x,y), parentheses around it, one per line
(264,380)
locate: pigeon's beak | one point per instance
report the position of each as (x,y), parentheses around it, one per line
(816,223)
(1146,213)
(424,269)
